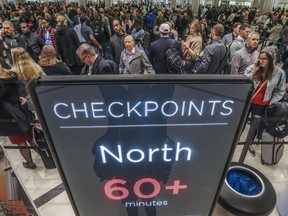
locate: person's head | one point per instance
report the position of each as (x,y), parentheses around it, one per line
(24,65)
(62,20)
(138,22)
(244,30)
(24,28)
(164,29)
(86,54)
(48,56)
(129,43)
(236,28)
(102,11)
(45,23)
(253,40)
(117,27)
(79,11)
(266,59)
(8,28)
(195,28)
(97,16)
(268,55)
(83,19)
(217,31)
(204,22)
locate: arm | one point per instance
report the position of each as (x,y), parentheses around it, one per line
(95,42)
(235,64)
(205,63)
(146,64)
(279,90)
(251,70)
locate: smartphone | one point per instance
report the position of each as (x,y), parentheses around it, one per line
(257,64)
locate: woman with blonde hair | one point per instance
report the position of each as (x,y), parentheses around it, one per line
(24,65)
(11,93)
(26,68)
(192,47)
(50,64)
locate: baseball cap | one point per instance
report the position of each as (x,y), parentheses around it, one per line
(164,28)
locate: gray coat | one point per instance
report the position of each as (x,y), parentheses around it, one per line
(137,65)
(242,59)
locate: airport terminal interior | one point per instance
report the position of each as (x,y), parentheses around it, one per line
(41,192)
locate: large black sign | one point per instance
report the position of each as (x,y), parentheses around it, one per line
(142,146)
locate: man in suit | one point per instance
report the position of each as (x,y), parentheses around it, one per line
(159,47)
(94,63)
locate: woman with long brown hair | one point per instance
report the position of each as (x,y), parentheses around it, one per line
(193,45)
(269,82)
(50,64)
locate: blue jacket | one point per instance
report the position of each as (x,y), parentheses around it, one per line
(214,59)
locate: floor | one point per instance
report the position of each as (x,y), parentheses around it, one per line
(44,188)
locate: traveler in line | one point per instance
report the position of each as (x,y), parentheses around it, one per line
(246,56)
(269,82)
(94,63)
(133,60)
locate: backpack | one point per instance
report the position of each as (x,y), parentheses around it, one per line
(77,29)
(98,30)
(277,120)
(174,60)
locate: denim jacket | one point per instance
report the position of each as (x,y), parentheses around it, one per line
(275,87)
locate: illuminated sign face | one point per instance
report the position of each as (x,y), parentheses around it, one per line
(147,148)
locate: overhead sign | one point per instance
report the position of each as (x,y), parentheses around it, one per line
(142,146)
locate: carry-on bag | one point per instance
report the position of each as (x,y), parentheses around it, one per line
(271,153)
(42,149)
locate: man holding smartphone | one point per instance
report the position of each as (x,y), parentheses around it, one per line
(9,39)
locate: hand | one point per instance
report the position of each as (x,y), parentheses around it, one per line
(256,65)
(22,100)
(184,45)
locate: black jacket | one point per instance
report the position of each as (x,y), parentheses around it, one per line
(59,69)
(100,66)
(157,53)
(67,43)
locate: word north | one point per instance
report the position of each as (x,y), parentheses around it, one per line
(136,155)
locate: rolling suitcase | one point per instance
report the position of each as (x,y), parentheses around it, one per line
(271,153)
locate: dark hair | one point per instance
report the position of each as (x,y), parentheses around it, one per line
(82,19)
(244,26)
(236,24)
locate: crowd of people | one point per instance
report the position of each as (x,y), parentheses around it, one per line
(55,39)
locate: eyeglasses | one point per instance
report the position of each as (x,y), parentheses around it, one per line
(83,59)
(263,59)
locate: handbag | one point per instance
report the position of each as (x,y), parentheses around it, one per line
(13,119)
